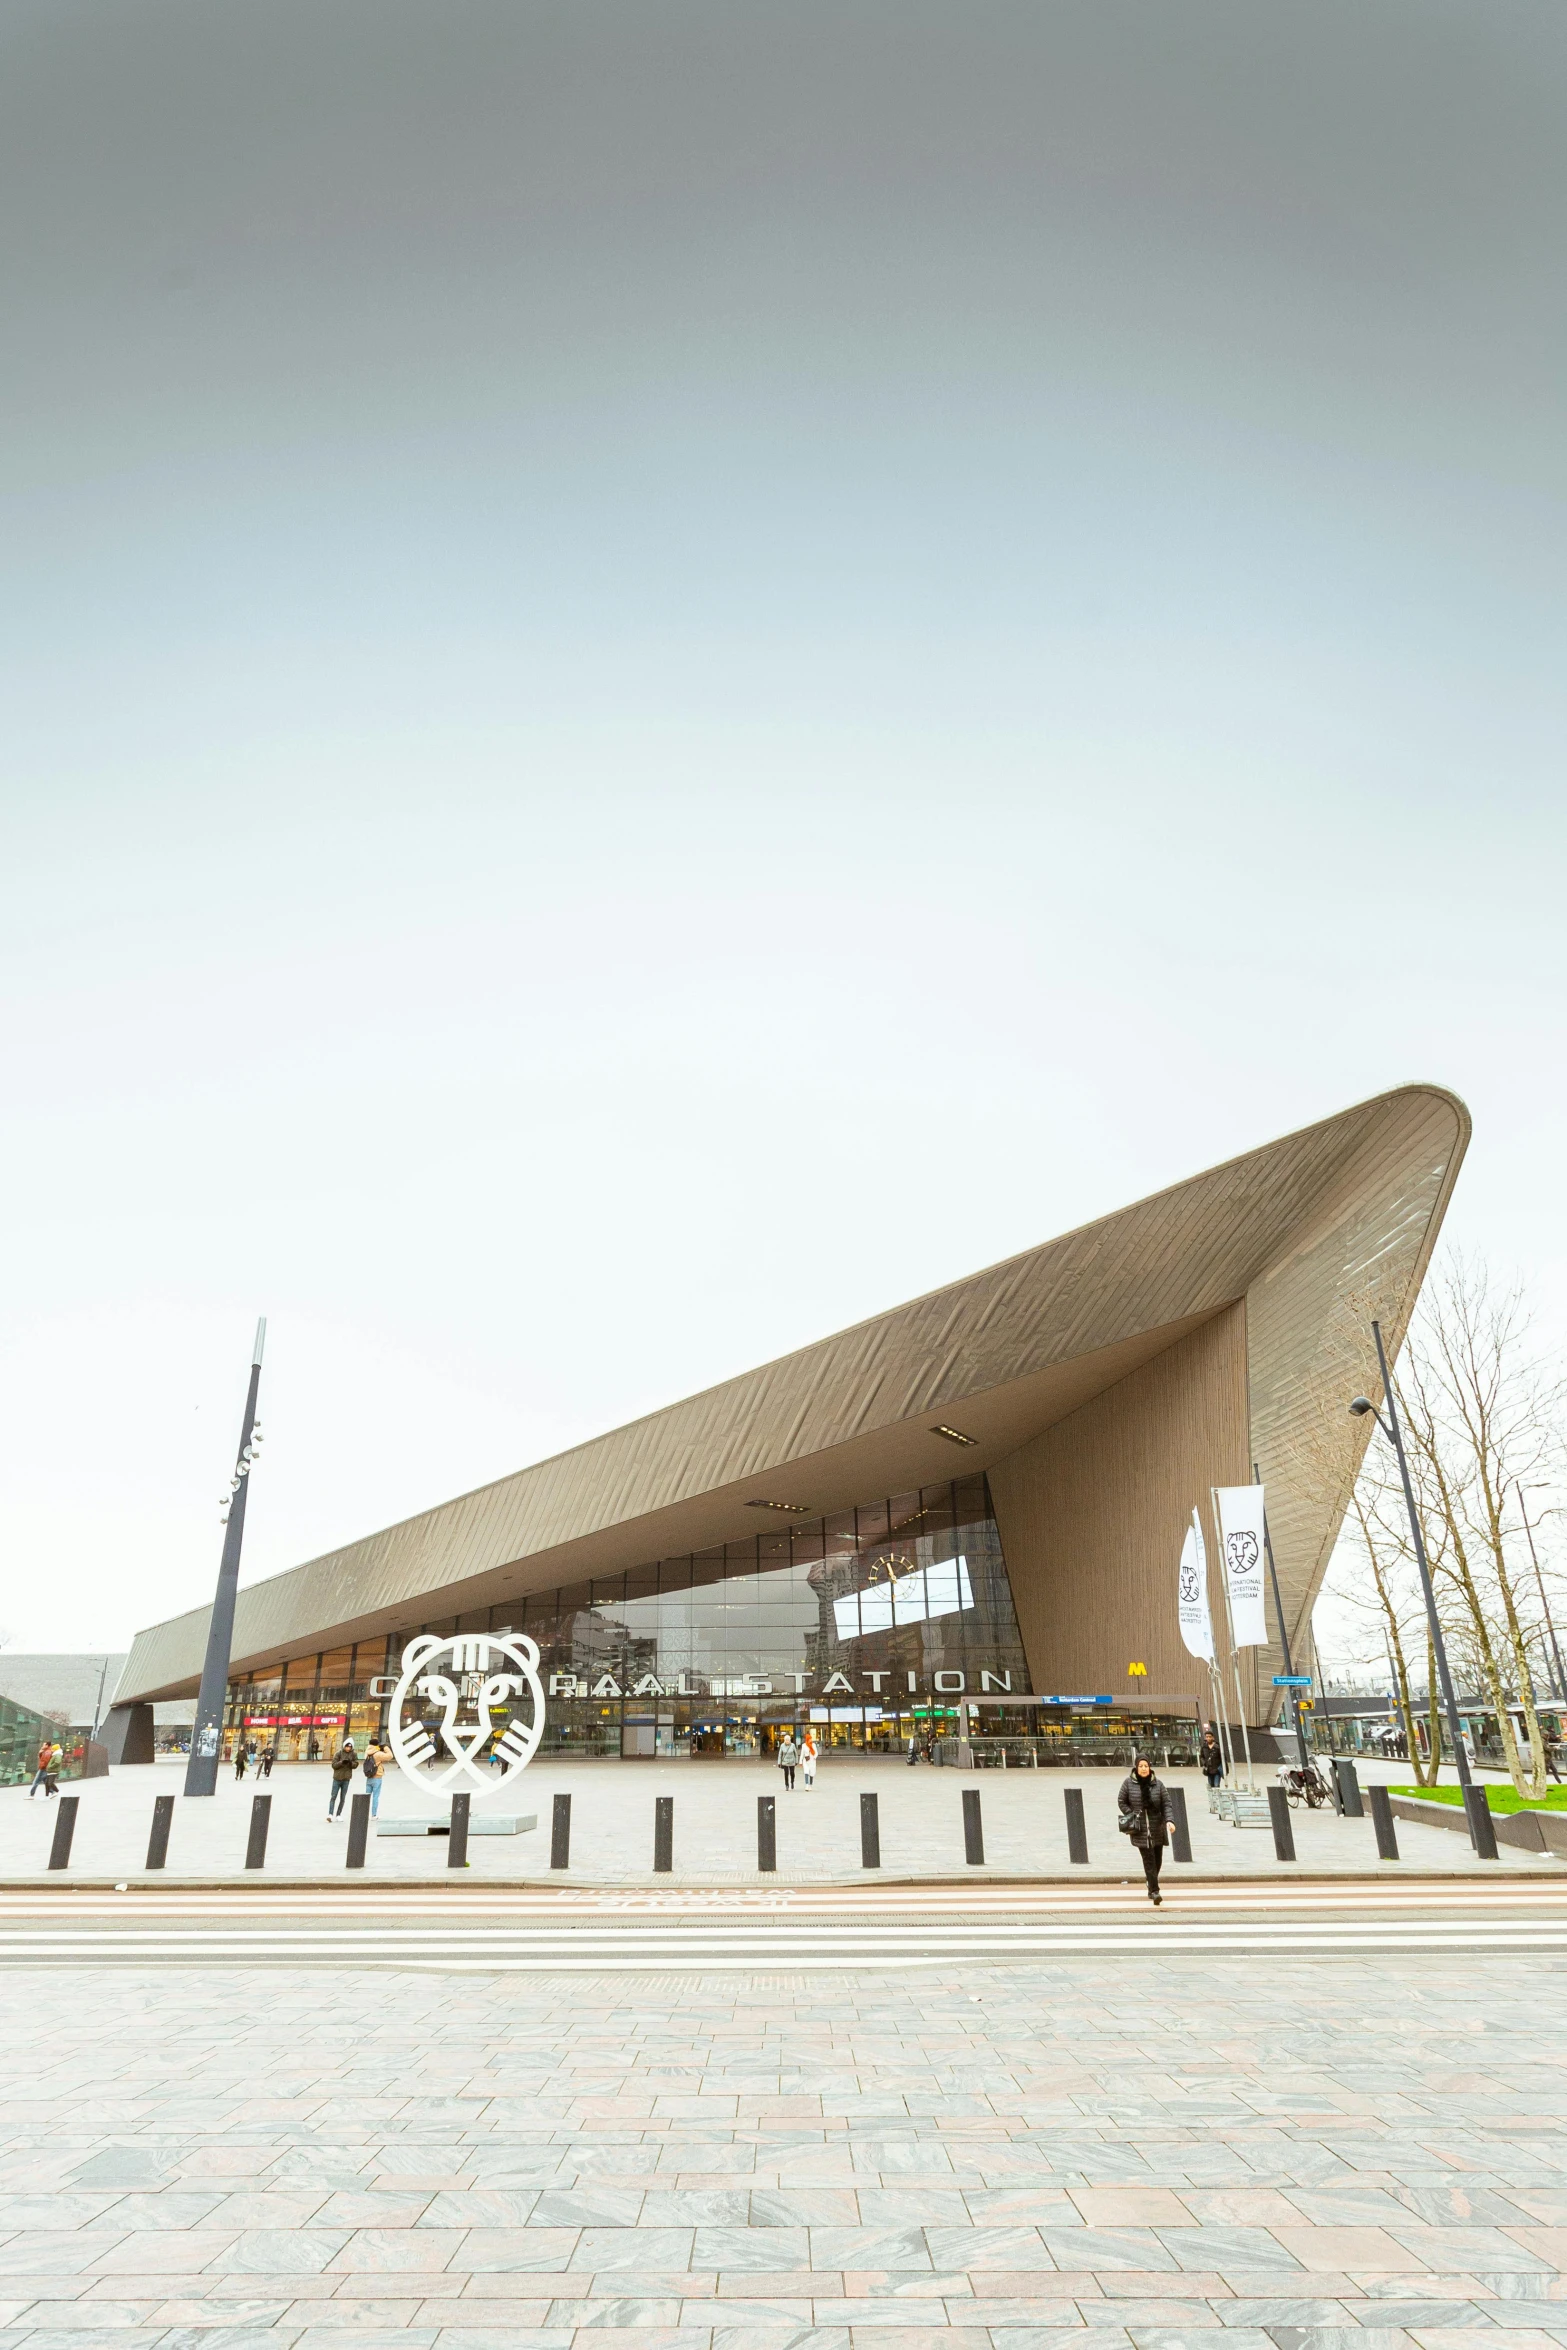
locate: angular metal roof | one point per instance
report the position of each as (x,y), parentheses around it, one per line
(1313,1231)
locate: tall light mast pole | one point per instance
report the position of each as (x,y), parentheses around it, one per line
(206,1738)
(1395,1436)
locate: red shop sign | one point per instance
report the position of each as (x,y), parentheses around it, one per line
(295,1721)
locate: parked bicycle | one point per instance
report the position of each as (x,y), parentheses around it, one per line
(1304,1783)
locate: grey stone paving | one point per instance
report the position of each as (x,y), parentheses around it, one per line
(715,1826)
(1081,2153)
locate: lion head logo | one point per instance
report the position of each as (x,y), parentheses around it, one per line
(1241,1551)
(471,1676)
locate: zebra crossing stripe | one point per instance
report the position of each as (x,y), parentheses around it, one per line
(866,1947)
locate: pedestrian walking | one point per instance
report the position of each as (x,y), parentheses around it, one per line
(241,1757)
(808,1759)
(267,1758)
(52,1767)
(1145,1817)
(1210,1760)
(41,1774)
(788,1757)
(344,1764)
(374,1773)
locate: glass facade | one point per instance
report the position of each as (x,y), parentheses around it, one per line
(872,1626)
(22,1732)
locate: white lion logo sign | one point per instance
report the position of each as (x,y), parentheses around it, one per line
(470,1676)
(1241,1551)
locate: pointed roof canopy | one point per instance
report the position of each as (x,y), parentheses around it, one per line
(1314,1232)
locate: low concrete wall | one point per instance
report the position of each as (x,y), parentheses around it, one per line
(1526,1831)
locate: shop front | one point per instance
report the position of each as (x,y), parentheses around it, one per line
(305,1708)
(1081,1733)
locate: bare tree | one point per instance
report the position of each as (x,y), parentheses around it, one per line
(1373,1571)
(1388,1553)
(1482,1412)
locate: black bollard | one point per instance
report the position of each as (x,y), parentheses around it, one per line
(1180,1825)
(1382,1819)
(1482,1828)
(358,1830)
(64,1830)
(973,1829)
(457,1839)
(560,1833)
(663,1834)
(1076,1828)
(1349,1802)
(870,1833)
(260,1819)
(162,1821)
(766,1833)
(1283,1831)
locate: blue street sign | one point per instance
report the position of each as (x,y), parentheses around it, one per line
(1292,1680)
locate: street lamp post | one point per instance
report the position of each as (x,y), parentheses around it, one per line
(206,1737)
(1395,1436)
(1560,1689)
(97,1711)
(1284,1637)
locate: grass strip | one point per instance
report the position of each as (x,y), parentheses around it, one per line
(1498,1799)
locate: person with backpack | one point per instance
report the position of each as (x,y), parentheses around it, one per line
(344,1764)
(1144,1807)
(375,1775)
(41,1774)
(1210,1760)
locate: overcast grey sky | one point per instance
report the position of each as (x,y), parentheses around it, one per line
(673,671)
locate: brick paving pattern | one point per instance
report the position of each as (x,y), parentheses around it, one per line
(998,2158)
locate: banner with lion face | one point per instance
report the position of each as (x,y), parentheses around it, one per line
(1243,1541)
(1192,1594)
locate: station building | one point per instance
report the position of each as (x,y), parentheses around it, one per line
(959,1522)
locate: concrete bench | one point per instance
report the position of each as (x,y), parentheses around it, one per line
(1526,1831)
(479,1824)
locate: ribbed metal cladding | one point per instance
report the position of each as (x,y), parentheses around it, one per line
(1296,1229)
(1362,1251)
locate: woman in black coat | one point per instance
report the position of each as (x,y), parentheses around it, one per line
(1145,1817)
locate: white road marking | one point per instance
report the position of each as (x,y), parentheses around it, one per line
(761,1940)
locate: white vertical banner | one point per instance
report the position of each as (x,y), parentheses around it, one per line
(1192,1594)
(1241,1536)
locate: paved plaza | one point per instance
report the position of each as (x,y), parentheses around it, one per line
(1008,2158)
(715,1826)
